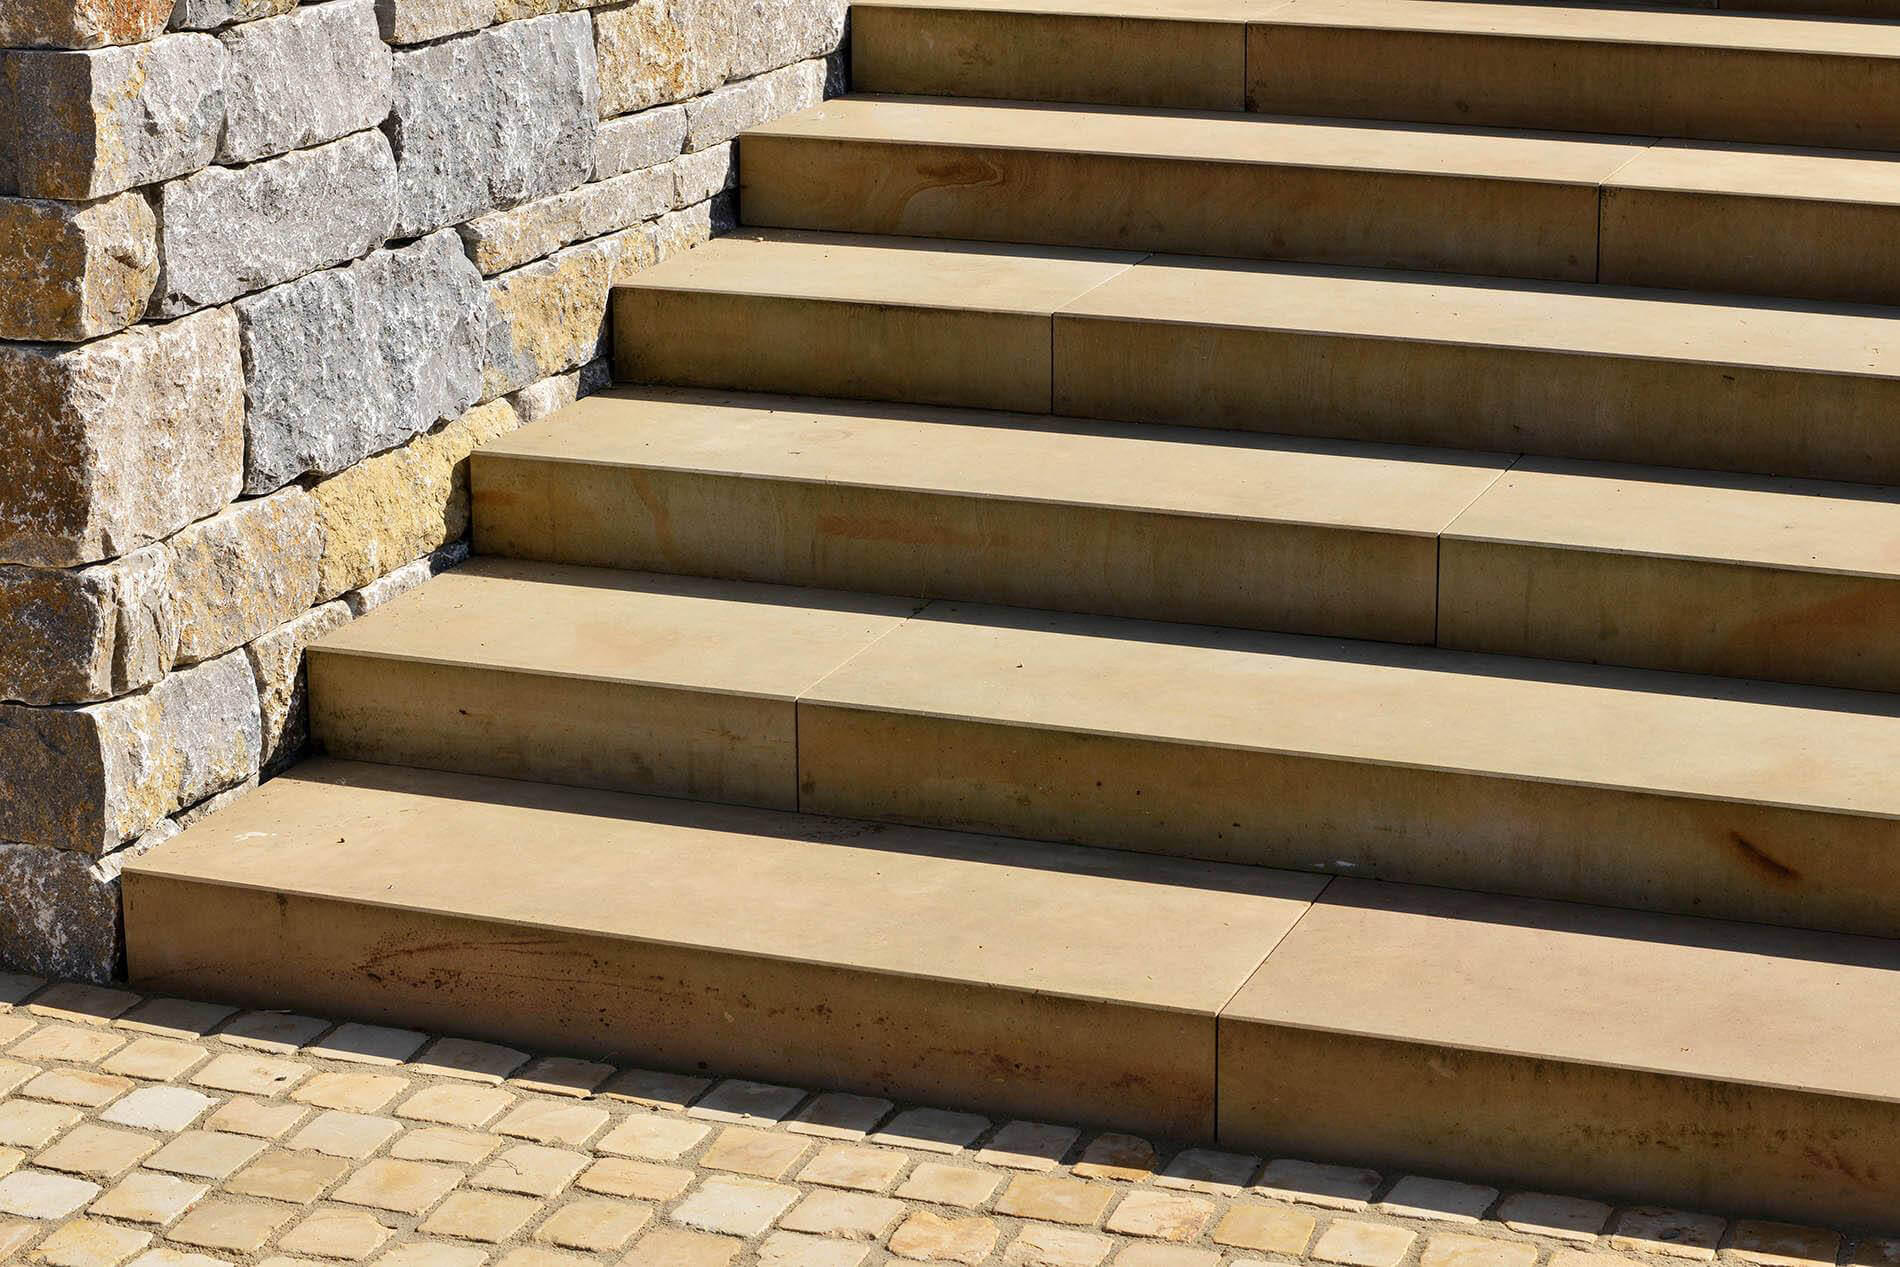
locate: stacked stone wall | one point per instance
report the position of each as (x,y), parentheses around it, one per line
(269,271)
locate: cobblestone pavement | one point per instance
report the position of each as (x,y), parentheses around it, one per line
(165,1133)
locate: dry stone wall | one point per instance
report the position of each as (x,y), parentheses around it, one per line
(269,271)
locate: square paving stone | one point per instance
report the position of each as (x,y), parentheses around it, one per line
(250,1074)
(39,1194)
(14,1025)
(619,1177)
(99,1153)
(1357,1244)
(1051,1199)
(652,1137)
(403,1187)
(491,1217)
(432,1254)
(839,1116)
(351,1235)
(532,1170)
(949,1185)
(17,987)
(168,1109)
(939,1239)
(865,1169)
(29,1124)
(1457,1250)
(15,1074)
(792,1249)
(1541,1214)
(76,1087)
(1041,1245)
(1028,1146)
(1164,1216)
(734,1207)
(1672,1233)
(851,1215)
(351,1092)
(562,1075)
(676,1247)
(16,1235)
(352,1135)
(73,1044)
(761,1154)
(594,1224)
(531,1256)
(368,1044)
(655,1089)
(1782,1244)
(1442,1200)
(456,1104)
(299,1178)
(155,1059)
(737,1100)
(175,1018)
(235,1227)
(89,1243)
(1333,1187)
(261,1118)
(144,1197)
(11,1159)
(552,1122)
(88,1004)
(934,1130)
(277,1032)
(1267,1228)
(205,1154)
(446,1143)
(1165,1256)
(1209,1171)
(466,1059)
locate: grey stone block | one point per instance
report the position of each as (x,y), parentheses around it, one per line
(637,141)
(719,116)
(77,635)
(311,76)
(508,239)
(209,15)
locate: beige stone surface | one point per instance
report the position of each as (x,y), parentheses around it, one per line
(593,1225)
(1269,1229)
(145,1197)
(297,1177)
(242,572)
(490,1217)
(1028,1146)
(90,1243)
(1670,1233)
(958,1186)
(745,1151)
(75,271)
(619,1177)
(843,1166)
(351,1235)
(81,24)
(550,316)
(402,1187)
(455,1105)
(237,1227)
(1053,1199)
(1161,1215)
(939,1239)
(1359,1244)
(1450,1250)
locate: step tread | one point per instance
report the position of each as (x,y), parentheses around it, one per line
(1797,525)
(1186,135)
(1737,1003)
(975,453)
(1862,178)
(1161,933)
(624,627)
(975,276)
(1631,322)
(1224,11)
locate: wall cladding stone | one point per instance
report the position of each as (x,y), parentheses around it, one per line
(75,270)
(209,15)
(62,918)
(80,23)
(719,116)
(120,442)
(549,317)
(419,21)
(639,140)
(227,231)
(277,664)
(349,362)
(508,239)
(241,573)
(91,777)
(311,76)
(493,119)
(700,175)
(657,51)
(88,124)
(79,635)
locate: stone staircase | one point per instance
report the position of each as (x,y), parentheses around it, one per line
(1393,686)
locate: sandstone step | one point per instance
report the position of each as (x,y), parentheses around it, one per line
(1744,576)
(1692,72)
(837,315)
(677,935)
(1663,377)
(578,675)
(1686,73)
(1647,790)
(1115,518)
(1708,1065)
(1331,191)
(1715,1065)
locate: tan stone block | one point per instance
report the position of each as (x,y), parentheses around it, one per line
(257,1118)
(850,1215)
(299,1178)
(866,1169)
(69,1043)
(77,1087)
(143,1197)
(456,1105)
(1334,1187)
(654,1089)
(547,1122)
(949,1185)
(404,1187)
(14,1073)
(75,271)
(14,1025)
(243,572)
(37,1194)
(431,1254)
(1205,1170)
(1165,1256)
(1039,1245)
(1028,1146)
(1450,1250)
(1051,1199)
(674,1247)
(11,1159)
(353,1092)
(1542,1214)
(237,1227)
(562,1075)
(390,509)
(27,1125)
(1672,1233)
(762,1154)
(446,1143)
(652,1137)
(794,1249)
(1113,1156)
(935,1130)
(594,1224)
(156,1059)
(1163,1216)
(531,1169)
(352,1135)
(358,1044)
(529,1256)
(734,1207)
(1782,1244)
(17,1235)
(618,1177)
(82,1004)
(81,23)
(836,1115)
(492,1217)
(351,1235)
(88,1243)
(159,1109)
(1357,1244)
(937,1239)
(98,1153)
(204,1154)
(1265,1227)
(278,1033)
(510,238)
(1441,1200)
(649,53)
(119,442)
(550,316)
(250,1075)
(175,1018)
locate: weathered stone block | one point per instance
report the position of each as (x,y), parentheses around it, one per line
(61,918)
(655,51)
(368,598)
(700,175)
(768,34)
(81,23)
(385,512)
(209,15)
(719,116)
(277,662)
(78,635)
(91,777)
(227,231)
(349,362)
(243,572)
(311,76)
(89,124)
(638,141)
(493,119)
(684,229)
(550,316)
(418,21)
(117,443)
(75,270)
(508,239)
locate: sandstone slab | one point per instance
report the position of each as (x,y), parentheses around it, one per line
(80,635)
(74,271)
(243,572)
(493,119)
(719,116)
(639,140)
(313,75)
(227,231)
(351,361)
(520,235)
(81,23)
(117,443)
(92,123)
(92,777)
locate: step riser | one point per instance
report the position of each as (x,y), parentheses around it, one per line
(1663,413)
(555,729)
(1288,577)
(1612,1132)
(987,360)
(1049,57)
(1013,1053)
(1614,847)
(1246,210)
(1575,85)
(1732,621)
